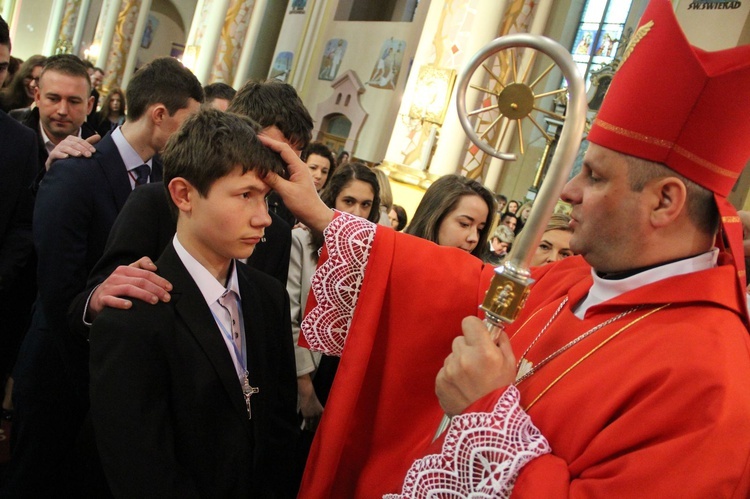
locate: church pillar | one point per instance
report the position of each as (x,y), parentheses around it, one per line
(243,64)
(105,31)
(205,34)
(452,146)
(236,38)
(51,38)
(83,13)
(122,41)
(135,43)
(454,30)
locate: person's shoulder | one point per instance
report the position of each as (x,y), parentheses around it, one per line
(141,319)
(13,130)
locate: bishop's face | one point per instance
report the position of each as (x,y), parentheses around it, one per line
(608,217)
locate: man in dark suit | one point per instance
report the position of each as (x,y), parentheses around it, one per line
(18,165)
(76,205)
(190,398)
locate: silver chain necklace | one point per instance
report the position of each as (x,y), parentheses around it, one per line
(526,368)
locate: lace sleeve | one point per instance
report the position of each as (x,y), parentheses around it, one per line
(481,456)
(337,283)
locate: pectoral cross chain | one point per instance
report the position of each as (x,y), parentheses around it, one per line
(248,391)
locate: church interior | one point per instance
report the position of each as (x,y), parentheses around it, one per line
(379,78)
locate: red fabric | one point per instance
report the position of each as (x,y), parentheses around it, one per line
(382,412)
(662,411)
(692,117)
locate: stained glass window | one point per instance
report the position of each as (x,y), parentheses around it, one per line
(599,32)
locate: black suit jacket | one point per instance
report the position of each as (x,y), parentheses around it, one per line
(76,206)
(146,226)
(18,165)
(166,403)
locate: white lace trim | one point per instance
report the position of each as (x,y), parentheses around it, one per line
(482,454)
(336,284)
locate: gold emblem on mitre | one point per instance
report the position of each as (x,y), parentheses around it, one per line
(637,37)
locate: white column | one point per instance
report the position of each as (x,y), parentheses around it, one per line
(80,25)
(452,145)
(209,42)
(248,45)
(302,59)
(140,27)
(538,25)
(53,27)
(111,10)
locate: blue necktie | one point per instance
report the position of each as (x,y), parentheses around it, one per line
(141,174)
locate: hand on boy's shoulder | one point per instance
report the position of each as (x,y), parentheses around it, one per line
(138,280)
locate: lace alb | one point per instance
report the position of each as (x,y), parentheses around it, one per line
(481,456)
(336,284)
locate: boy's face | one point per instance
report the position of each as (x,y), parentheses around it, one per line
(231,219)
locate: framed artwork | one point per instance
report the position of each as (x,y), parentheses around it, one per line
(298,6)
(388,66)
(148,34)
(332,56)
(282,66)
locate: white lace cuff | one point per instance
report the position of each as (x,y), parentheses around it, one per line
(482,454)
(337,282)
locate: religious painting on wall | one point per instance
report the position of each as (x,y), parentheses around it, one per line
(388,66)
(282,66)
(332,56)
(298,6)
(600,32)
(148,33)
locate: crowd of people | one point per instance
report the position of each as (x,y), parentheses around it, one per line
(201,301)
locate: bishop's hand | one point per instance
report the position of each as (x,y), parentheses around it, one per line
(299,193)
(477,366)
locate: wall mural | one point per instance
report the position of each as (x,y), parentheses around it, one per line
(388,65)
(298,6)
(334,52)
(282,66)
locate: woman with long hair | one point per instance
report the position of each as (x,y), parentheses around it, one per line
(113,112)
(455,211)
(20,93)
(354,189)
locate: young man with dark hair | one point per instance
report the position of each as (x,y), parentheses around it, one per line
(219,95)
(277,105)
(76,205)
(206,381)
(145,227)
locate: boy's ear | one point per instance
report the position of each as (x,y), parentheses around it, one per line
(181,192)
(158,113)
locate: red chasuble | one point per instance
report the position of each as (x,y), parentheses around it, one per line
(656,403)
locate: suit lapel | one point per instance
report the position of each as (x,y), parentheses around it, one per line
(194,312)
(111,163)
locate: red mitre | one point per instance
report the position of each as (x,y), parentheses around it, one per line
(684,107)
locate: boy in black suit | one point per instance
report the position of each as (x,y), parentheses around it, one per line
(197,396)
